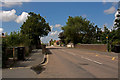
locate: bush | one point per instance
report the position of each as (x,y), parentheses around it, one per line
(78,43)
(116,42)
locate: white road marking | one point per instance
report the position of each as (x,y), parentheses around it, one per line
(97,62)
(69,52)
(72,54)
(85,58)
(88,59)
(91,60)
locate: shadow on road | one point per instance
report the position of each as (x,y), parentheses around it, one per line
(48,51)
(38,68)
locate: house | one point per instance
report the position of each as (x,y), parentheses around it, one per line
(57,43)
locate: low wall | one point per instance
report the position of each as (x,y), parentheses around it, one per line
(98,47)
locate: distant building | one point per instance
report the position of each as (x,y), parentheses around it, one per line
(2,35)
(57,43)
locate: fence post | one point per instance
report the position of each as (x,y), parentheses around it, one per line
(14,54)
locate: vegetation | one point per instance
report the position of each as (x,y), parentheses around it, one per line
(77,30)
(34,28)
(52,42)
(31,31)
(82,31)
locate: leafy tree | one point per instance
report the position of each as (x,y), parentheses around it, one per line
(116,31)
(79,30)
(12,40)
(62,37)
(34,28)
(105,34)
(98,35)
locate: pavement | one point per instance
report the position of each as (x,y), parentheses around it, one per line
(80,63)
(22,69)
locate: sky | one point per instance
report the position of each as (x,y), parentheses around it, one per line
(13,14)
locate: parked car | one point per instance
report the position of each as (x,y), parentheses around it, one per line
(70,45)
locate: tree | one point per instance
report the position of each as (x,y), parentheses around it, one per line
(62,37)
(79,30)
(116,31)
(12,40)
(98,35)
(35,27)
(105,34)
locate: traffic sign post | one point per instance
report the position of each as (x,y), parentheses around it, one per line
(107,44)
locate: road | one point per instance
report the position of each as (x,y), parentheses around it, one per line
(80,63)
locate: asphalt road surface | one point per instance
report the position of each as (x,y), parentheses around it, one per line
(80,63)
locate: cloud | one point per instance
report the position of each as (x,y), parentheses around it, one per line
(10,4)
(51,27)
(117,13)
(104,1)
(53,33)
(56,29)
(58,25)
(7,16)
(22,18)
(16,0)
(110,10)
(1,30)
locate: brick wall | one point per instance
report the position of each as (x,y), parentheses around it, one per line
(98,47)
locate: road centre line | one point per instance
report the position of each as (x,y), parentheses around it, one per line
(69,52)
(91,60)
(86,58)
(97,62)
(114,58)
(72,54)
